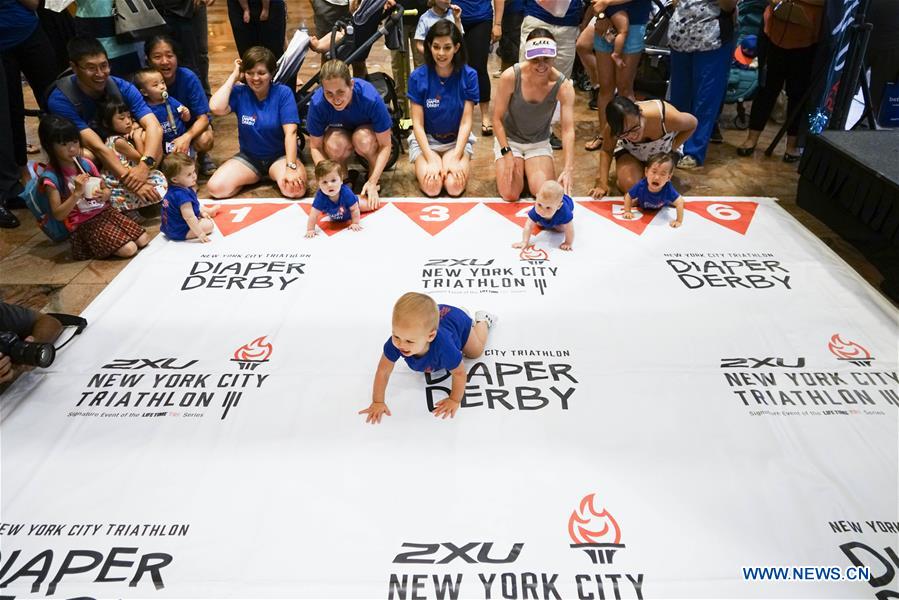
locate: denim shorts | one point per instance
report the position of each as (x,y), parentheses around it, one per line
(633,44)
(257,165)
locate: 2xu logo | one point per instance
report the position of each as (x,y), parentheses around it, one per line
(428,553)
(758,363)
(146,363)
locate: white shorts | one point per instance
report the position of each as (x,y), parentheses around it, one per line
(524,151)
(441,149)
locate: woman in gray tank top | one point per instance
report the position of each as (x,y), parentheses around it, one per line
(523,108)
(634,131)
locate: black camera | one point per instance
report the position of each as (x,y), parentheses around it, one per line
(33,354)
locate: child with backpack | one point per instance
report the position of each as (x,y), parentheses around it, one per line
(78,196)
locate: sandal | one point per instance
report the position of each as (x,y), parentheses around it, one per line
(486,130)
(791,158)
(594,144)
(744,151)
(32,149)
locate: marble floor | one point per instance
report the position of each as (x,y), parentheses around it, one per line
(42,275)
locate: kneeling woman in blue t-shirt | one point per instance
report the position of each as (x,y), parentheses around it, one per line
(443,93)
(348,115)
(267,122)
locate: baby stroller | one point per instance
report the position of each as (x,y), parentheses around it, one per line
(655,66)
(743,78)
(345,45)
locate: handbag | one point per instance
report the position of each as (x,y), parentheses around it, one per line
(136,20)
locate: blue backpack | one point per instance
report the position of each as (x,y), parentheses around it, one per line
(39,204)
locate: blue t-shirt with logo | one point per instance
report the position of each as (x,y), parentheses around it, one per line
(172,222)
(60,105)
(572,16)
(564,215)
(445,352)
(443,101)
(337,211)
(259,122)
(365,108)
(188,89)
(643,198)
(171,127)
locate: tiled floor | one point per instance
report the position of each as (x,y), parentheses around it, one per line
(42,275)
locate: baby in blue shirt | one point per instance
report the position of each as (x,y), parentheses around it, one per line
(333,198)
(430,337)
(182,216)
(553,209)
(655,191)
(171,114)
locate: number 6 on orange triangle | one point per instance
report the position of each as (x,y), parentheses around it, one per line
(434,217)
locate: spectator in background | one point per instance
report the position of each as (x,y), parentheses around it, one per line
(26,49)
(611,78)
(10,186)
(510,41)
(76,98)
(179,17)
(269,33)
(93,19)
(786,53)
(326,13)
(201,32)
(30,326)
(483,25)
(701,37)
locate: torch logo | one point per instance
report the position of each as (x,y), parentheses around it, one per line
(532,254)
(251,355)
(851,351)
(595,532)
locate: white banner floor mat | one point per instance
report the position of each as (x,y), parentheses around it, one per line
(701,412)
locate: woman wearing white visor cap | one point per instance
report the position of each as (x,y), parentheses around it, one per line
(525,100)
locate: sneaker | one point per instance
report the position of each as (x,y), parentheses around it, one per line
(688,162)
(207,165)
(594,100)
(490,318)
(555,142)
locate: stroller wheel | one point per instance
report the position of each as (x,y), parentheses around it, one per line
(741,121)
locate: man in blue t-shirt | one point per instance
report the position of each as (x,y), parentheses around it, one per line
(655,191)
(347,115)
(75,97)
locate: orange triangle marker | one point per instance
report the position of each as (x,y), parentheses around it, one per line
(231,218)
(736,216)
(517,212)
(613,209)
(331,227)
(434,217)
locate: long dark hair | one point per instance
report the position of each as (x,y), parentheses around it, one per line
(617,111)
(445,28)
(540,32)
(54,129)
